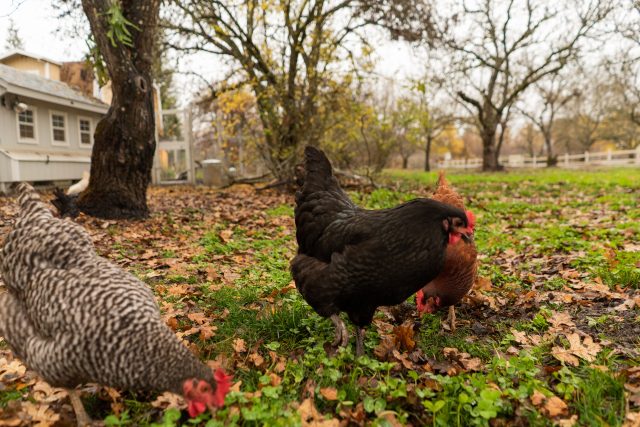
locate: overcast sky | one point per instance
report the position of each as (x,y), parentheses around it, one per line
(37,24)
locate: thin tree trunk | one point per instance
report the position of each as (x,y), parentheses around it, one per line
(551,159)
(405,162)
(427,157)
(489,150)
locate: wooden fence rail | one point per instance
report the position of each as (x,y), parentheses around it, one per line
(601,158)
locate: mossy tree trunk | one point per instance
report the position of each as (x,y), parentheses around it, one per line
(124,142)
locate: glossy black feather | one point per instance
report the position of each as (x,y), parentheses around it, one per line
(355,260)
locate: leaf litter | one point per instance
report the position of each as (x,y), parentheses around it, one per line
(165,251)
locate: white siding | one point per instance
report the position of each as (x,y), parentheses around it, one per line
(9,128)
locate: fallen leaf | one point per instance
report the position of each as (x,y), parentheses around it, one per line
(40,415)
(403,335)
(256,359)
(310,416)
(169,400)
(555,406)
(329,393)
(44,393)
(567,422)
(11,371)
(537,398)
(239,345)
(225,235)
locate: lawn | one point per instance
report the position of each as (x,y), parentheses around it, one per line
(548,336)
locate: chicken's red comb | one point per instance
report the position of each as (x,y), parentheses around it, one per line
(471,219)
(223,384)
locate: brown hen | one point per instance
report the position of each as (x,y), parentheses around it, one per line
(460,267)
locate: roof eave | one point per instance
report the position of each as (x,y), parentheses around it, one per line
(85,106)
(16,52)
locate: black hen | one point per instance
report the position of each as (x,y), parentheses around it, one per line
(355,260)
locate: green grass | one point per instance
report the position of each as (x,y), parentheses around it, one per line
(533,227)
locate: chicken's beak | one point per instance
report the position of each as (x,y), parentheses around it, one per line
(468,238)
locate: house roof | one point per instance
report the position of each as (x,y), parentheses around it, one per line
(33,86)
(18,52)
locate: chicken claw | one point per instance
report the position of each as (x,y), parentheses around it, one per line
(342,335)
(82,418)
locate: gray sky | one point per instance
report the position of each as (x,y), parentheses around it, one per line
(37,24)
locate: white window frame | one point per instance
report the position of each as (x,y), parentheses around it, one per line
(55,143)
(91,130)
(34,140)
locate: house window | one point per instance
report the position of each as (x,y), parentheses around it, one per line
(58,128)
(86,133)
(27,126)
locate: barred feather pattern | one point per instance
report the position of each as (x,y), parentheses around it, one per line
(74,317)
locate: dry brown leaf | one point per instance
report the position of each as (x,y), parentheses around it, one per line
(169,400)
(554,406)
(310,416)
(329,393)
(239,345)
(408,364)
(537,398)
(199,318)
(225,235)
(403,335)
(585,349)
(564,355)
(207,331)
(178,290)
(384,350)
(40,415)
(11,371)
(257,359)
(632,419)
(390,419)
(464,359)
(561,320)
(44,393)
(10,422)
(567,422)
(482,284)
(275,379)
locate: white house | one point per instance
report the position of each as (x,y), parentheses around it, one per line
(46,127)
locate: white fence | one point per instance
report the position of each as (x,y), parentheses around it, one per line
(602,158)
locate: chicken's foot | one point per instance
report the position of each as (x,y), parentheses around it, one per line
(342,335)
(451,318)
(82,418)
(359,341)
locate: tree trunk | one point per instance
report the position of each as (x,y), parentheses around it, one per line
(489,150)
(427,157)
(551,159)
(122,156)
(124,142)
(405,162)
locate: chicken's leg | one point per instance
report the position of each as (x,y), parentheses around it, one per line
(359,341)
(342,335)
(82,418)
(451,318)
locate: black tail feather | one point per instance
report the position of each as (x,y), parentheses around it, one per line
(65,204)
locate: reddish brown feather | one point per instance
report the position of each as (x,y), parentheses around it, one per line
(460,265)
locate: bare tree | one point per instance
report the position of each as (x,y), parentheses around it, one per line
(124,143)
(553,94)
(14,41)
(507,47)
(284,53)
